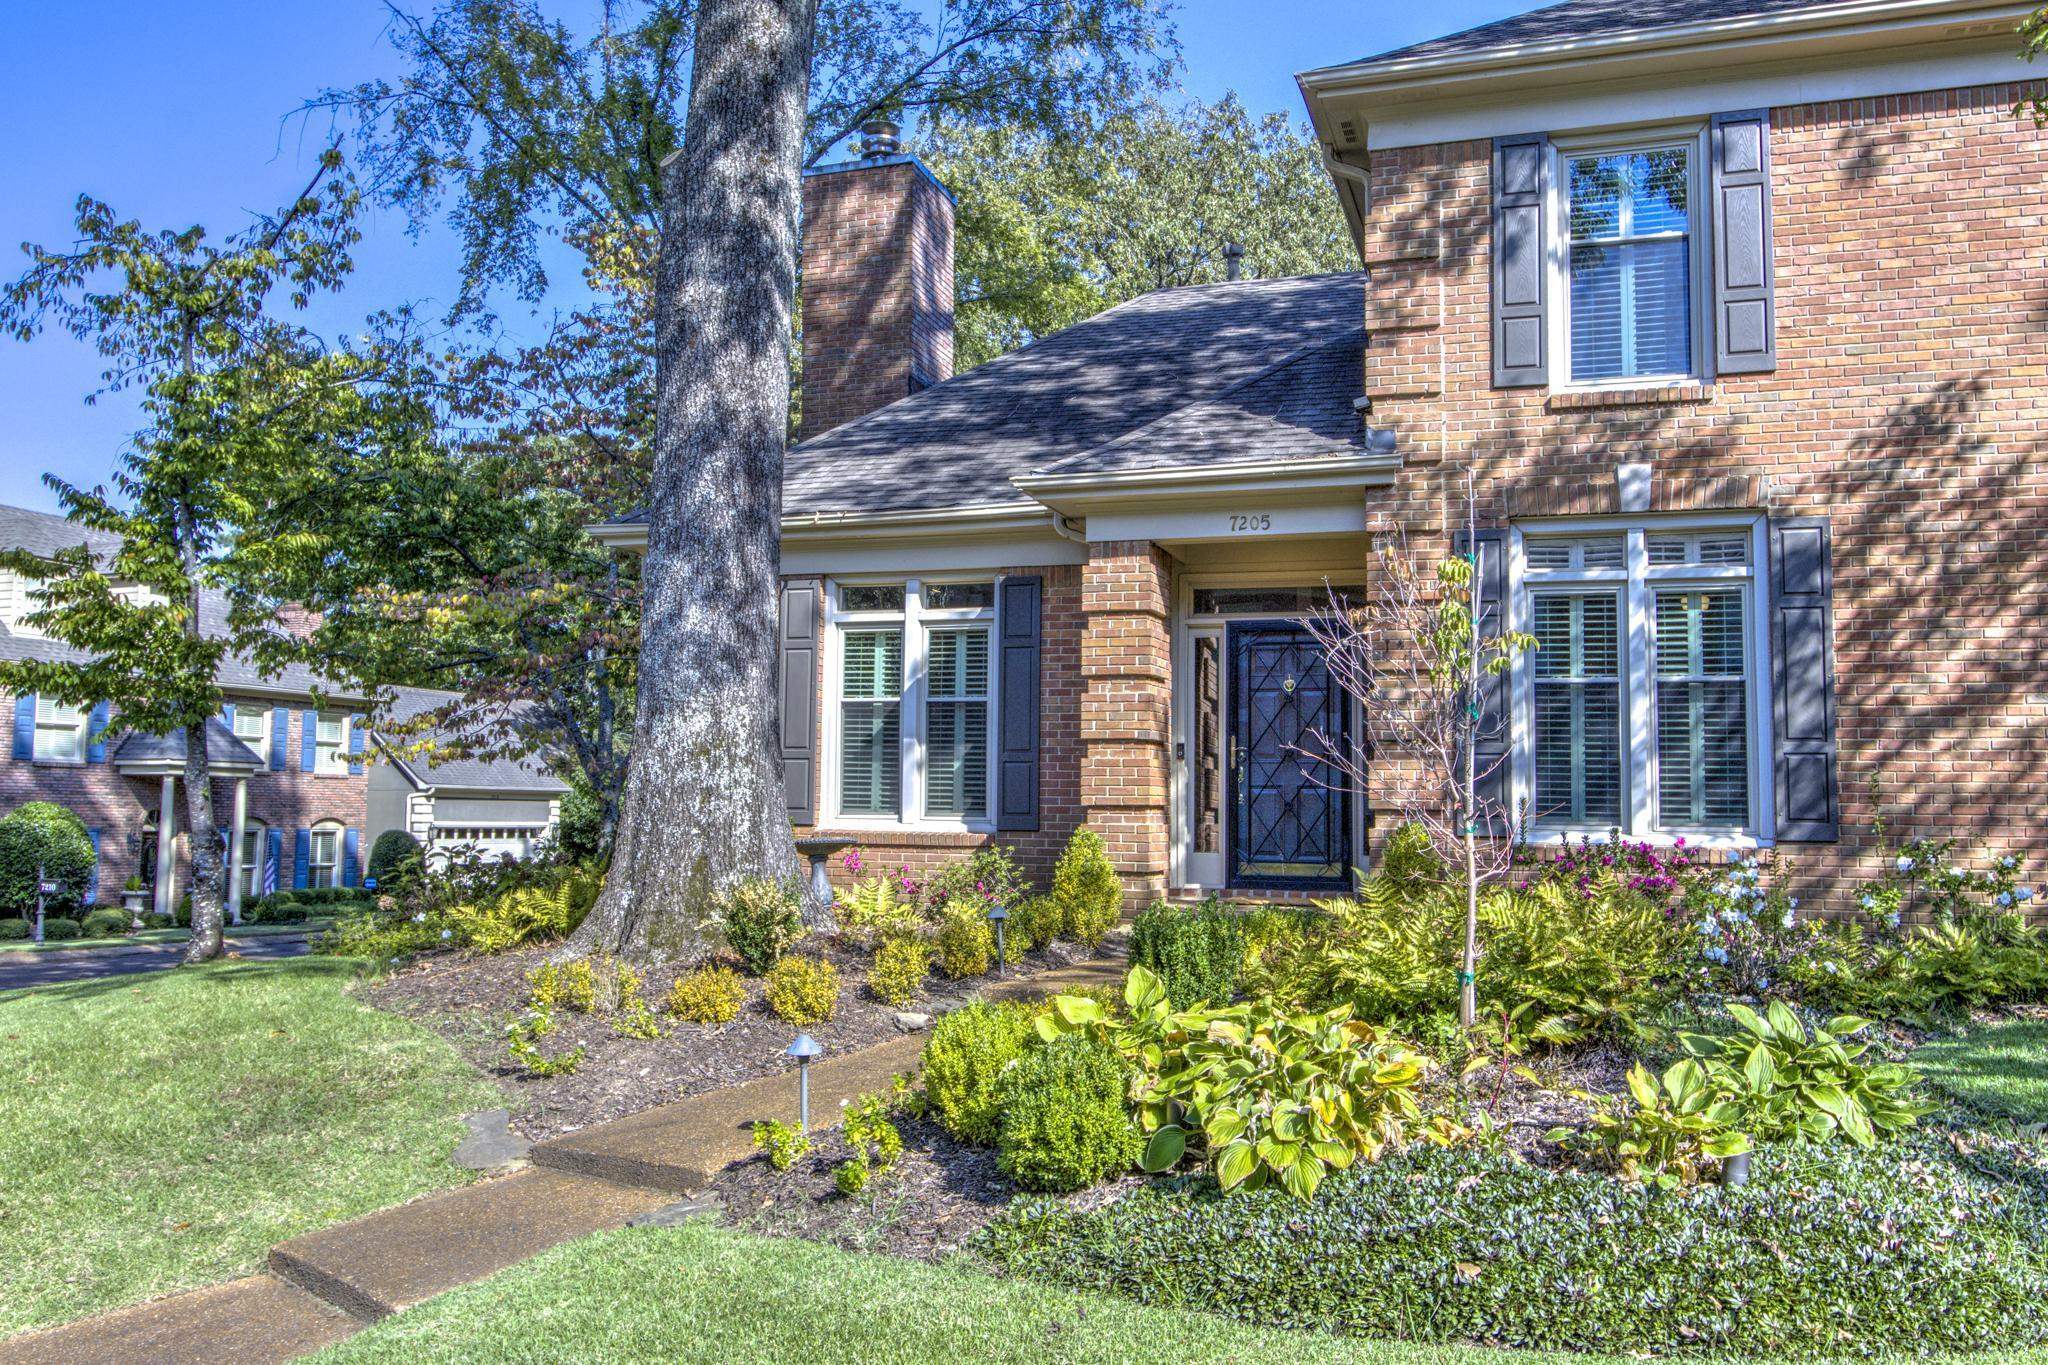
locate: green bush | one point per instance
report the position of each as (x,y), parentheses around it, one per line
(269,911)
(579,830)
(1828,1251)
(1090,896)
(990,876)
(761,920)
(58,928)
(966,944)
(519,915)
(393,849)
(15,930)
(1787,1084)
(104,924)
(1197,954)
(1671,1131)
(1039,919)
(709,995)
(1064,1122)
(781,1142)
(43,835)
(901,963)
(963,1064)
(803,990)
(1408,860)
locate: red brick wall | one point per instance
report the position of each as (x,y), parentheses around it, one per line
(117,805)
(877,289)
(1909,406)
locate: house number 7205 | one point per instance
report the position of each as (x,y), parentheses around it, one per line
(1263,521)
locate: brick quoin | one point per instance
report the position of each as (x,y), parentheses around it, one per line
(1909,407)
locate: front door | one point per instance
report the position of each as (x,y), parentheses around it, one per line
(1291,812)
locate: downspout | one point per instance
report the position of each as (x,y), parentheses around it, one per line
(1063,526)
(1355,182)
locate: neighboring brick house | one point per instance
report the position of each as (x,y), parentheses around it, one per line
(294,772)
(1736,311)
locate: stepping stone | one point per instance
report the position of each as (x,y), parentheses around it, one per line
(676,1214)
(374,1266)
(491,1144)
(253,1321)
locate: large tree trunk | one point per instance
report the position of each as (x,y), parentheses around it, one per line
(704,805)
(204,835)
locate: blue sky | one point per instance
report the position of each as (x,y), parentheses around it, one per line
(177,114)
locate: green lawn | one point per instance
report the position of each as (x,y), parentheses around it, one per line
(160,1132)
(1999,1068)
(703,1293)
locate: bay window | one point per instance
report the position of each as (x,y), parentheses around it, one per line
(1639,708)
(911,686)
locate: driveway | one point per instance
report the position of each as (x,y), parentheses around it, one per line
(82,964)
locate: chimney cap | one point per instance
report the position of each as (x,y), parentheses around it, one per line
(880,137)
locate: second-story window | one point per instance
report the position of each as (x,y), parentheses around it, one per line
(60,731)
(252,726)
(331,737)
(1629,219)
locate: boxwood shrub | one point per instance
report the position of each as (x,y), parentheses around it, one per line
(58,928)
(104,924)
(1828,1251)
(1197,953)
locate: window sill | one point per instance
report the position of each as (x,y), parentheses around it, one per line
(1648,395)
(925,834)
(1541,838)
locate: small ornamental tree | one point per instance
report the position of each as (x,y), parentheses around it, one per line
(389,853)
(1413,657)
(44,838)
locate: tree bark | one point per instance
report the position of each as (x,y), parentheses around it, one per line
(704,806)
(204,834)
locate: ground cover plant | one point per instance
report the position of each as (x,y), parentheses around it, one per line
(162,1131)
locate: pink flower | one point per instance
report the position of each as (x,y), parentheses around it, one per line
(853,863)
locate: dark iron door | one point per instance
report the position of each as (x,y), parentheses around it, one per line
(1291,812)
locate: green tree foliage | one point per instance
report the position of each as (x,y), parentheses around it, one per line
(1054,227)
(47,840)
(234,400)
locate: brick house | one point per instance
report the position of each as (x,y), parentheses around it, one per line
(1737,312)
(307,780)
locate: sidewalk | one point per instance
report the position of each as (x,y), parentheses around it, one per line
(326,1285)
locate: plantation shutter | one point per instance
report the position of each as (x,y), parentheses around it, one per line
(25,727)
(871,723)
(280,734)
(1494,731)
(302,858)
(1803,681)
(1018,623)
(351,852)
(1745,323)
(358,728)
(797,709)
(1701,704)
(92,879)
(309,740)
(1521,331)
(95,732)
(956,722)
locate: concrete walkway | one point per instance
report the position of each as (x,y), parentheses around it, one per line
(325,1285)
(20,969)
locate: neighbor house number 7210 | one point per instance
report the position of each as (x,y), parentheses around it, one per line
(1260,521)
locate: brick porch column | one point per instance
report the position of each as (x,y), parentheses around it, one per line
(1127,709)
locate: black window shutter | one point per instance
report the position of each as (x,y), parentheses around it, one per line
(1521,332)
(1803,681)
(797,701)
(1745,310)
(1495,731)
(1019,630)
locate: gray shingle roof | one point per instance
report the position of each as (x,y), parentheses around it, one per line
(1586,19)
(222,748)
(1081,391)
(497,774)
(44,533)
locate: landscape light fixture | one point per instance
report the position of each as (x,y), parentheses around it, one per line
(996,916)
(803,1049)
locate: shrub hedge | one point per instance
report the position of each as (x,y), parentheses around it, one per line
(1197,954)
(57,928)
(104,924)
(1828,1251)
(1063,1124)
(964,1062)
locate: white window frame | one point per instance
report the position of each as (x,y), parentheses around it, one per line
(261,714)
(314,866)
(251,870)
(917,622)
(75,725)
(1638,583)
(322,765)
(1563,149)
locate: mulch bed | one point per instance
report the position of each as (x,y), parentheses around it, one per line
(469,1000)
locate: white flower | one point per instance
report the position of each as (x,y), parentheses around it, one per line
(1870,902)
(1892,919)
(1786,923)
(1830,968)
(420,918)
(1905,864)
(447,933)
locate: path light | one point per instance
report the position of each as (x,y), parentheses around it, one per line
(1735,1169)
(996,916)
(803,1049)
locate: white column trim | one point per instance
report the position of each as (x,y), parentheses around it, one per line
(238,824)
(167,847)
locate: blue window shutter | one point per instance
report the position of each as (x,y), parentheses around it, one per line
(280,728)
(95,733)
(1018,602)
(302,858)
(25,727)
(273,855)
(309,742)
(351,851)
(227,714)
(358,726)
(92,881)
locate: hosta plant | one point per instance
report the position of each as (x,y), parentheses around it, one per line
(1672,1130)
(1789,1084)
(1262,1097)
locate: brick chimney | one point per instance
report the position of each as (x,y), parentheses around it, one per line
(878,282)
